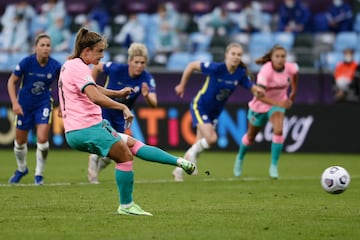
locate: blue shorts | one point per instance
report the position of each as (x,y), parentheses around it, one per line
(115,118)
(199,116)
(40,115)
(260,119)
(96,139)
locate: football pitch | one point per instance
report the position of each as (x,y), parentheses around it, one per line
(212,205)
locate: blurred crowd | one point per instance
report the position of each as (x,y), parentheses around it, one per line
(203,27)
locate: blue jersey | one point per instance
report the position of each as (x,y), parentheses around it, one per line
(118,78)
(36,81)
(219,86)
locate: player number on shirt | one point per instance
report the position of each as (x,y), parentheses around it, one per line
(46,112)
(223,94)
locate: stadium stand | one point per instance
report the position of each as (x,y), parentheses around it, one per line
(310,49)
(345,40)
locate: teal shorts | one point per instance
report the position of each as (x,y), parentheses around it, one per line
(260,119)
(97,139)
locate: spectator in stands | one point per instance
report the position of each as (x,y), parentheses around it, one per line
(217,22)
(293,17)
(49,11)
(132,31)
(167,38)
(60,35)
(87,22)
(54,9)
(346,88)
(16,23)
(101,15)
(251,18)
(340,16)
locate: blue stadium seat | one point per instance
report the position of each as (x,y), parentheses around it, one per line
(4,61)
(60,56)
(106,57)
(199,41)
(177,61)
(345,40)
(267,19)
(255,54)
(241,38)
(356,25)
(15,58)
(357,56)
(202,56)
(261,41)
(329,60)
(285,39)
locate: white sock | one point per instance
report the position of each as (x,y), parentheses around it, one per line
(20,155)
(199,146)
(126,205)
(41,155)
(103,162)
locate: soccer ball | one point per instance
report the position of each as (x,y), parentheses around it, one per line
(335,179)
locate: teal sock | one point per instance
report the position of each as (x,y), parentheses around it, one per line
(154,154)
(242,151)
(276,149)
(125,184)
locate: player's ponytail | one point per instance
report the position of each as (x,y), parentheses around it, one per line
(84,39)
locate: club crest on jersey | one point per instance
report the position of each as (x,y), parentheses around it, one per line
(88,78)
(204,117)
(115,134)
(49,76)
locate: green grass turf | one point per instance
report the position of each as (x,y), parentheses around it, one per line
(215,206)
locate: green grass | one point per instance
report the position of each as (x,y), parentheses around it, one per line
(215,206)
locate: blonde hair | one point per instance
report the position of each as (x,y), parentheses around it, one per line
(137,50)
(267,56)
(84,39)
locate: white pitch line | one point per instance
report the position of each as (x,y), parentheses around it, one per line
(210,179)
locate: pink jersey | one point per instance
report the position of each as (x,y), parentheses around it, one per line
(77,110)
(276,83)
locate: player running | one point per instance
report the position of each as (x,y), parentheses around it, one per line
(221,81)
(276,76)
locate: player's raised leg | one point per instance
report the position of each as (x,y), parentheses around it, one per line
(155,154)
